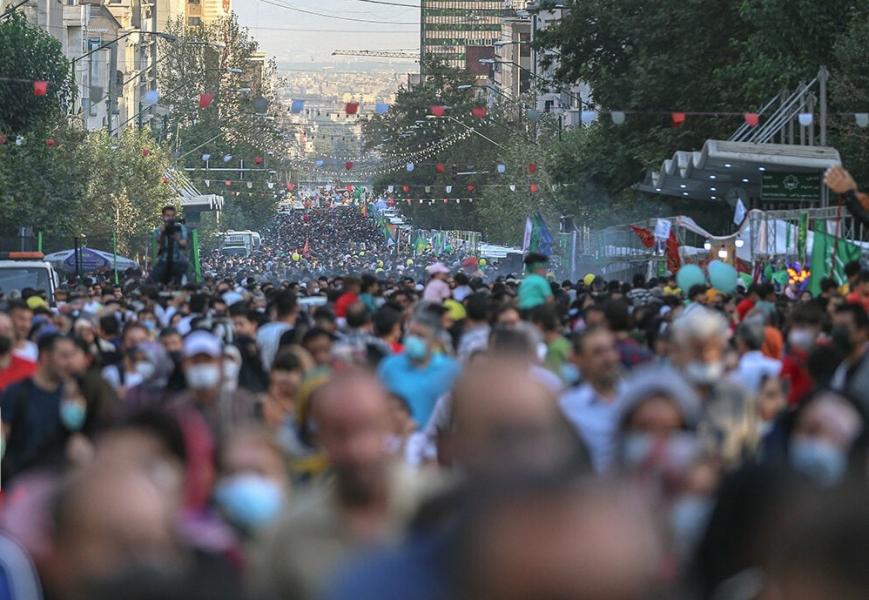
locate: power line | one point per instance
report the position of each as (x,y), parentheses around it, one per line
(319,14)
(299,30)
(390,3)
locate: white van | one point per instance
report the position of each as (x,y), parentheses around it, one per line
(20,270)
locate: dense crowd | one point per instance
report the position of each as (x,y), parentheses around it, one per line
(331,240)
(433,437)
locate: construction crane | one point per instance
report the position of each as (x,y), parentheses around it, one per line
(378,54)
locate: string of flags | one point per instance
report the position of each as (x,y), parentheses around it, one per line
(406,188)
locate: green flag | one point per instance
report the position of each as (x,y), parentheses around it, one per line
(829,257)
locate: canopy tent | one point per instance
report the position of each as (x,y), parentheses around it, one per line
(728,170)
(90,260)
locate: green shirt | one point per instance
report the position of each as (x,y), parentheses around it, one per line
(533,291)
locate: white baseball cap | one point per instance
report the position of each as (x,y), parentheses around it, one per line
(202,342)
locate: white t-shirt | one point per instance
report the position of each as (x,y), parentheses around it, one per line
(27,350)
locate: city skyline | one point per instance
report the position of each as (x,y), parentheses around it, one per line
(300,38)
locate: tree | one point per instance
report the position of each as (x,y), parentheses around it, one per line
(243,120)
(27,54)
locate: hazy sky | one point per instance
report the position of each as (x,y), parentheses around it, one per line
(293,36)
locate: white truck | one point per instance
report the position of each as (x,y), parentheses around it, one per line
(240,243)
(21,270)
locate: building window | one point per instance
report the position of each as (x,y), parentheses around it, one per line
(194,21)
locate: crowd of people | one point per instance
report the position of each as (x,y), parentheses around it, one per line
(432,436)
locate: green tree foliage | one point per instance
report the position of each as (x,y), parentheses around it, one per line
(693,55)
(504,136)
(28,53)
(243,120)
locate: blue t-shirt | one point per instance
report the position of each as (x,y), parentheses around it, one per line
(419,386)
(37,428)
(533,291)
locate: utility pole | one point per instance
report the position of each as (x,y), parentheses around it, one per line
(112,96)
(154,41)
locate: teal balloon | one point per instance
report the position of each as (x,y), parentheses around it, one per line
(689,276)
(723,277)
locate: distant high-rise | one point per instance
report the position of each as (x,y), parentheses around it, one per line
(448,27)
(205,12)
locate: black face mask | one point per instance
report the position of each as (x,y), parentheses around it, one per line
(841,337)
(176,357)
(5,344)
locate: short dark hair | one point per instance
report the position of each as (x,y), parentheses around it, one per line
(827,284)
(14,305)
(385,319)
(852,268)
(861,320)
(358,315)
(110,325)
(49,341)
(286,361)
(580,336)
(285,303)
(478,306)
(314,333)
(806,313)
(547,317)
(324,313)
(167,208)
(617,315)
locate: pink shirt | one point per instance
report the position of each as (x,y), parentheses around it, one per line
(436,291)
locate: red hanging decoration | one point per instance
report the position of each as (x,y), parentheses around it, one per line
(351,108)
(678,118)
(673,260)
(2,139)
(532,168)
(534,188)
(258,160)
(205,100)
(470,187)
(438,110)
(479,112)
(291,186)
(440,168)
(645,235)
(350,188)
(165,179)
(348,165)
(50,142)
(146,151)
(40,88)
(752,119)
(405,188)
(228,183)
(446,201)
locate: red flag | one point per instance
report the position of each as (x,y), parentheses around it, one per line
(532,168)
(479,112)
(351,108)
(440,168)
(307,249)
(40,88)
(146,151)
(534,188)
(438,110)
(752,119)
(50,142)
(678,118)
(2,139)
(228,183)
(470,187)
(258,160)
(205,100)
(673,260)
(291,186)
(348,165)
(646,236)
(405,188)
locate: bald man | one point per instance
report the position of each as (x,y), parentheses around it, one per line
(368,502)
(108,520)
(504,420)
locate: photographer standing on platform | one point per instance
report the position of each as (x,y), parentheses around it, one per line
(171,265)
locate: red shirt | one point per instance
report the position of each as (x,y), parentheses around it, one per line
(856,298)
(344,302)
(794,371)
(744,306)
(17,370)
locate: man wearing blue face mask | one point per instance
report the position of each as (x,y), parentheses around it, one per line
(420,374)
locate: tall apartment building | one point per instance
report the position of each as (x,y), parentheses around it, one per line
(449,27)
(204,12)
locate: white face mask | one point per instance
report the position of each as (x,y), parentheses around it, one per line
(203,377)
(802,339)
(703,373)
(230,374)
